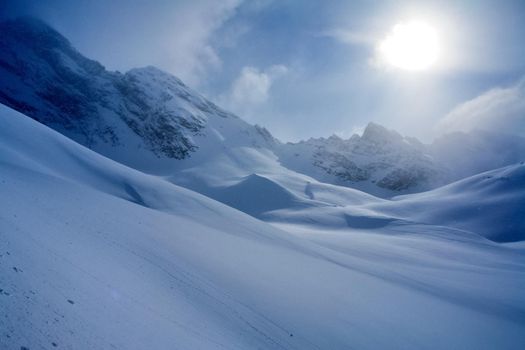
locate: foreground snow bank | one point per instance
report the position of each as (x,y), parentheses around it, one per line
(96,255)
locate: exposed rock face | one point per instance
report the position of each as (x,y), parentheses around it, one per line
(43,76)
(379,158)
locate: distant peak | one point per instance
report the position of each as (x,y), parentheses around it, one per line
(376,132)
(335,137)
(374,127)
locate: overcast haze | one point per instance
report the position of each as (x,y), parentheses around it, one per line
(308,69)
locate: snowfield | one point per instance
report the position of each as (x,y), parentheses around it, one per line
(96,255)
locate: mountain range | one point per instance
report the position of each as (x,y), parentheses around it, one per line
(170,128)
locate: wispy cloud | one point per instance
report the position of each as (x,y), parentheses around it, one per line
(189,50)
(251,89)
(499,109)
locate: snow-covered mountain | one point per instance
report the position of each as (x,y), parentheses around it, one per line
(136,118)
(151,121)
(381,161)
(94,254)
(384,163)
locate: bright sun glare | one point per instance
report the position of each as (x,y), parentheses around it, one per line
(410,45)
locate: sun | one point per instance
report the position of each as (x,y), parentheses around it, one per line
(412,45)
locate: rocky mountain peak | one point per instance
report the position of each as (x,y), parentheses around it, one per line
(378,133)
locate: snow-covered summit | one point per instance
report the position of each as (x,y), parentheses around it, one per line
(376,133)
(145,111)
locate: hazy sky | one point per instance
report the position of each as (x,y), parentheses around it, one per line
(309,68)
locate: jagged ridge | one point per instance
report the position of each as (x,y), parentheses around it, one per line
(44,77)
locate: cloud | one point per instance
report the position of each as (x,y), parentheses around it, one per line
(189,51)
(251,89)
(499,109)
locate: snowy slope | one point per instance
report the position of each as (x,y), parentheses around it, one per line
(491,204)
(97,255)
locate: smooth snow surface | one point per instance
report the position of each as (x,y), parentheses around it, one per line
(96,255)
(491,204)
